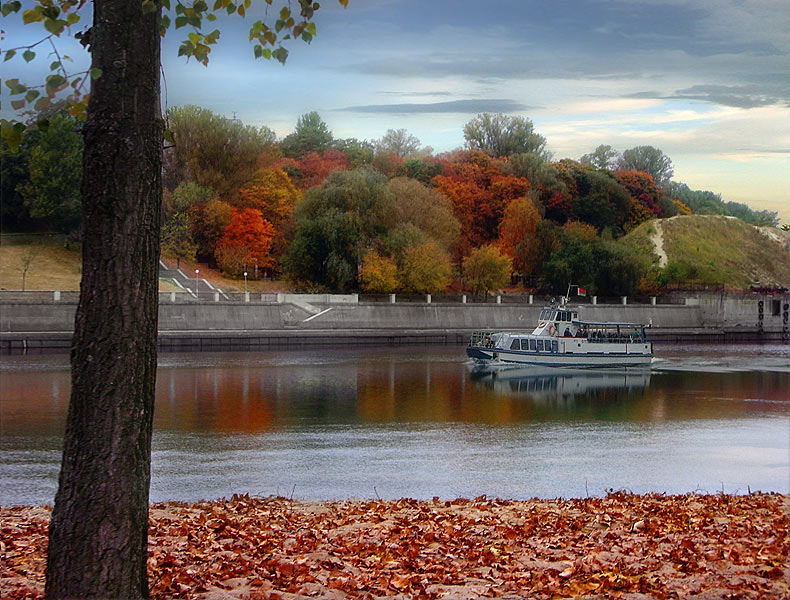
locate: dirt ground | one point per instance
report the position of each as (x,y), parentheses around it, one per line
(619,546)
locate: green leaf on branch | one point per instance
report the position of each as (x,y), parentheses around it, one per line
(32,95)
(28,55)
(95,73)
(18,104)
(9,55)
(32,16)
(72,18)
(43,125)
(54,26)
(148,7)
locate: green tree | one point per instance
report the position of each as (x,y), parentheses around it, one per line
(14,173)
(649,160)
(486,268)
(334,225)
(398,142)
(603,157)
(426,268)
(502,135)
(184,197)
(53,191)
(213,151)
(99,525)
(311,135)
(427,209)
(177,240)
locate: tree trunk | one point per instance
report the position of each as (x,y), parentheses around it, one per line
(99,530)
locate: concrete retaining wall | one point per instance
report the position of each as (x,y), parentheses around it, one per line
(716,316)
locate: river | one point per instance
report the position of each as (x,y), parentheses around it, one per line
(420,422)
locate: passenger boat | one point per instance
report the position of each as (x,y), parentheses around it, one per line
(560,339)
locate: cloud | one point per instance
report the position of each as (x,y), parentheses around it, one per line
(456,106)
(738,96)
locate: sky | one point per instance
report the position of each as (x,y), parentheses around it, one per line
(706,81)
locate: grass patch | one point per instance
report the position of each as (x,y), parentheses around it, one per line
(50,267)
(716,250)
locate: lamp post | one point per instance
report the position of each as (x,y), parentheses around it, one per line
(256,267)
(245,282)
(197,282)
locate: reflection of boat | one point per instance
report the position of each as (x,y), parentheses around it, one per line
(553,381)
(561,339)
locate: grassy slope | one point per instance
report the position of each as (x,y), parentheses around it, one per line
(722,250)
(58,268)
(51,268)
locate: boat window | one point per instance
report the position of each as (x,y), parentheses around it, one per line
(554,346)
(514,345)
(533,345)
(525,344)
(540,345)
(554,315)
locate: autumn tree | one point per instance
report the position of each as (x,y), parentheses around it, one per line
(398,142)
(313,168)
(213,151)
(311,135)
(649,160)
(425,208)
(271,192)
(502,135)
(487,268)
(479,191)
(517,234)
(378,273)
(426,268)
(359,152)
(177,240)
(99,523)
(247,240)
(209,220)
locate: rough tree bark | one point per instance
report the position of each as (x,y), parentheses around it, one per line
(99,529)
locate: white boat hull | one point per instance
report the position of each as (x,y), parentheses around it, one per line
(604,358)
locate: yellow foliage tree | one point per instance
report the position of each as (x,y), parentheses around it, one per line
(378,273)
(426,268)
(487,268)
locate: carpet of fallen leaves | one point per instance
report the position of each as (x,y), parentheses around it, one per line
(619,546)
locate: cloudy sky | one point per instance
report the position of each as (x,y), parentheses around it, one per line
(706,81)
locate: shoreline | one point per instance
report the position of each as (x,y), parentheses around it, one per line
(637,546)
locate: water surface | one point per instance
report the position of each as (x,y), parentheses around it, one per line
(420,422)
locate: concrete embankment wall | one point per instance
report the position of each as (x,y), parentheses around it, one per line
(199,325)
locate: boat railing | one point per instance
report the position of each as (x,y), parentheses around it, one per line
(480,338)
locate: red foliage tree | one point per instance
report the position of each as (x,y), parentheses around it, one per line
(643,190)
(479,191)
(313,168)
(248,238)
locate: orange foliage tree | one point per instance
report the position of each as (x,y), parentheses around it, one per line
(248,238)
(272,193)
(517,233)
(378,273)
(313,168)
(480,191)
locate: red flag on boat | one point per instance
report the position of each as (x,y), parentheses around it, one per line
(582,292)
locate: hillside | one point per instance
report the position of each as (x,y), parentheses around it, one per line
(715,249)
(53,267)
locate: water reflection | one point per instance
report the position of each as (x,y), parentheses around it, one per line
(422,422)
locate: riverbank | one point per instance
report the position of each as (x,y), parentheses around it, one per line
(44,322)
(624,545)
